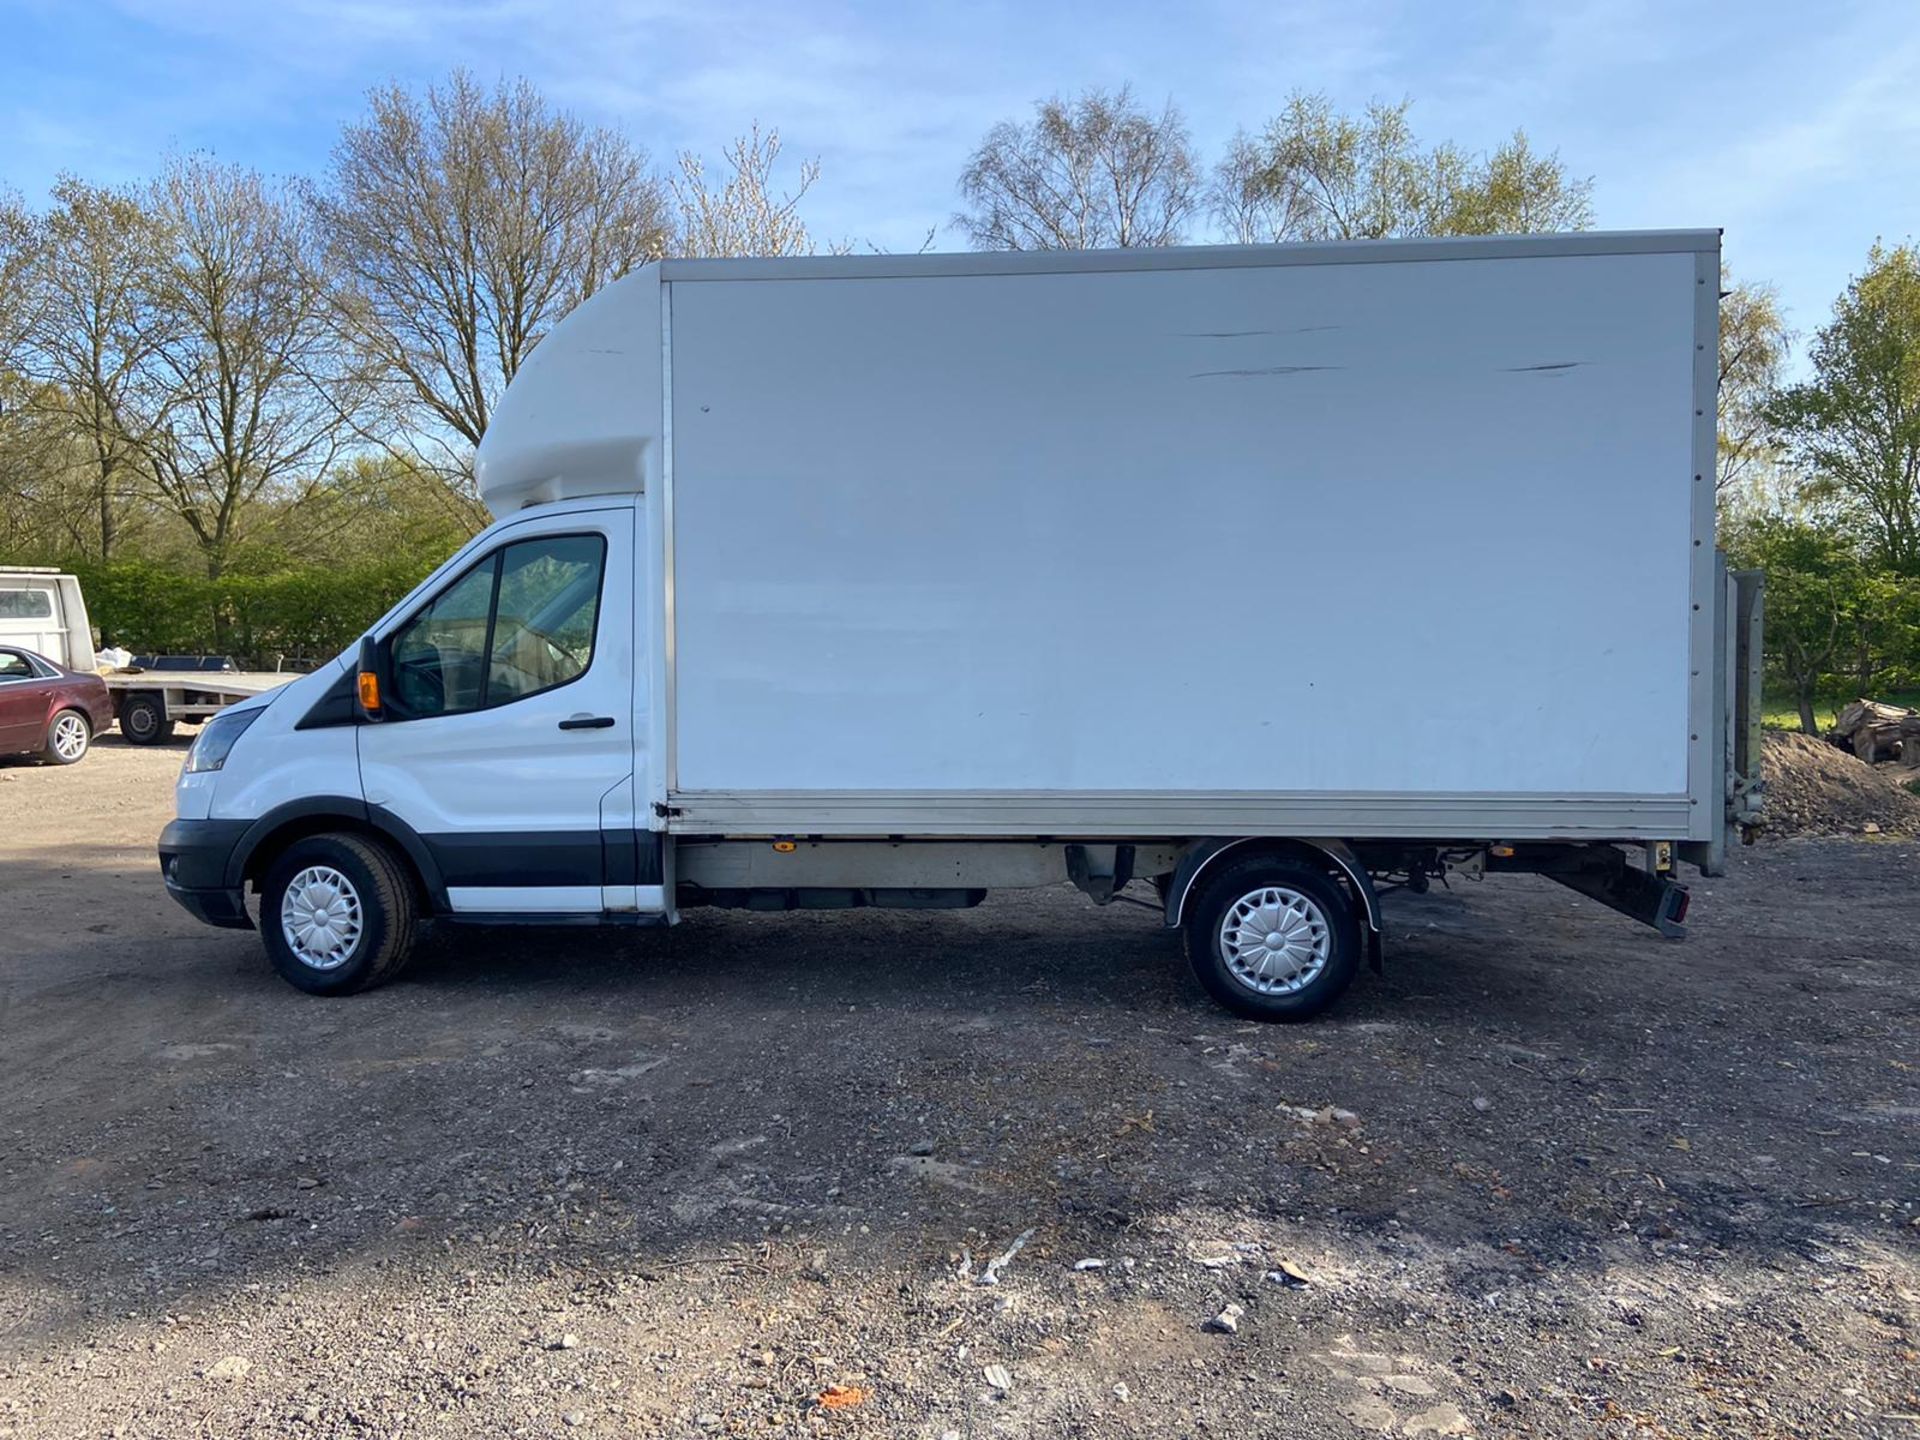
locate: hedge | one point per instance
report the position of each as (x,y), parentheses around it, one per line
(309,614)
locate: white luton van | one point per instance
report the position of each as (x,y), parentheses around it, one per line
(1261,579)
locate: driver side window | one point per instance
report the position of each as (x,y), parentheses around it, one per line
(520,622)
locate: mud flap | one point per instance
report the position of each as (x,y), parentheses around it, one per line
(1096,874)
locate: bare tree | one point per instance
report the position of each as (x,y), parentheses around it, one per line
(19,249)
(1319,174)
(245,394)
(461,227)
(47,507)
(743,215)
(1088,173)
(87,332)
(21,438)
(1247,208)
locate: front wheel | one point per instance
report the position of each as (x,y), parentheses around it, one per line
(1272,938)
(337,914)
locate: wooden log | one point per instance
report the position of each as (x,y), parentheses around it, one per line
(1871,729)
(1872,712)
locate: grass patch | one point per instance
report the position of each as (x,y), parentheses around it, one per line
(1778,712)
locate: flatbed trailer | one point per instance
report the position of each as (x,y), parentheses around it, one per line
(148,704)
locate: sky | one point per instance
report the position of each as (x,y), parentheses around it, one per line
(1795,127)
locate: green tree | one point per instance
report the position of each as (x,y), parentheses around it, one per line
(371,504)
(1885,635)
(1853,429)
(1753,347)
(1817,596)
(47,504)
(1516,190)
(1317,173)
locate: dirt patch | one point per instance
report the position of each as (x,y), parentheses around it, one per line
(1814,788)
(1548,1176)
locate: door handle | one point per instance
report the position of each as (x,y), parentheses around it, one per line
(587,722)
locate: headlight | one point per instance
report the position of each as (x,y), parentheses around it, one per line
(210,751)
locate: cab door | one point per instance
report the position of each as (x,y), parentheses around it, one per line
(509,716)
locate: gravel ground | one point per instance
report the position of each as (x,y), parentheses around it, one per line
(1549,1176)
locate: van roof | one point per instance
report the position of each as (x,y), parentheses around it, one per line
(1197,257)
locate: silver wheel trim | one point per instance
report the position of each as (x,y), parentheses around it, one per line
(1275,941)
(69,736)
(321,918)
(142,720)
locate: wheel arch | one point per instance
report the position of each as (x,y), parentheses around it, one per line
(1336,857)
(124,698)
(270,835)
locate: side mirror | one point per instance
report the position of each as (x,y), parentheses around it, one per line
(368,694)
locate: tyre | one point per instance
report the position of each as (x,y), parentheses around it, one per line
(143,720)
(337,914)
(69,734)
(1272,938)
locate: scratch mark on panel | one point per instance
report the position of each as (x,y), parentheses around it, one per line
(1247,334)
(1264,370)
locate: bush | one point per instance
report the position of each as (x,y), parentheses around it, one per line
(146,606)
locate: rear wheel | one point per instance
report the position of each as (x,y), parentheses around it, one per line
(143,720)
(337,914)
(1272,938)
(68,735)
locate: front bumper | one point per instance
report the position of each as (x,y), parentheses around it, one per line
(194,856)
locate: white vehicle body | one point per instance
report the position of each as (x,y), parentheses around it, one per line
(41,610)
(922,575)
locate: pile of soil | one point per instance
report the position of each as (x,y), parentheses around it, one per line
(1813,788)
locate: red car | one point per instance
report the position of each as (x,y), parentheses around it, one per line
(47,709)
